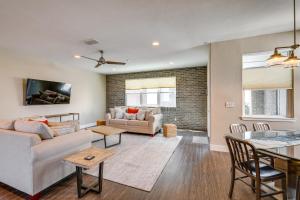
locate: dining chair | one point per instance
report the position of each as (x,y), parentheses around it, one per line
(237,128)
(245,159)
(261,126)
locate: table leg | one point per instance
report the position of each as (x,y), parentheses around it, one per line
(107,146)
(96,186)
(100,176)
(79,181)
(105,141)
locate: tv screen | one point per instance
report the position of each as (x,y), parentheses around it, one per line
(39,92)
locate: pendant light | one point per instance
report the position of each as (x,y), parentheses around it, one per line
(291,61)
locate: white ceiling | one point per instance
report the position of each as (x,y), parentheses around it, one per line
(55,30)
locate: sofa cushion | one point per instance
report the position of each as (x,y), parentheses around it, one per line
(137,123)
(34,127)
(118,121)
(7,124)
(61,144)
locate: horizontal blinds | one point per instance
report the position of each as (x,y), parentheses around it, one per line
(150,83)
(267,78)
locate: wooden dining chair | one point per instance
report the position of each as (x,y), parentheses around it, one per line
(244,158)
(237,128)
(261,126)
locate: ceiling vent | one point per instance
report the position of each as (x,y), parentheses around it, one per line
(91,42)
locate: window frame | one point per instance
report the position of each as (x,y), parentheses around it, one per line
(290,98)
(142,92)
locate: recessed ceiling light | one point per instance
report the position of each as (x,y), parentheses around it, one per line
(155,43)
(77,56)
(171,63)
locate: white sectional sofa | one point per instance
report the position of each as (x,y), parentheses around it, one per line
(31,165)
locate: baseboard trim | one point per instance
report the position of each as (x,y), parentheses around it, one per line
(220,148)
(83,126)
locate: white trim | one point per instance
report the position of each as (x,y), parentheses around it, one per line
(268,118)
(83,126)
(220,148)
(208,74)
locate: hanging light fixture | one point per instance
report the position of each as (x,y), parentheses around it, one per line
(291,61)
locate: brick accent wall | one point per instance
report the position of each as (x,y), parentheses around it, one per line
(191,95)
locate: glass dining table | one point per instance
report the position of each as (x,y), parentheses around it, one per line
(283,146)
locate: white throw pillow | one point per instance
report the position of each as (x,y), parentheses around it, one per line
(7,124)
(119,113)
(34,127)
(62,130)
(141,115)
(148,114)
(130,116)
(113,113)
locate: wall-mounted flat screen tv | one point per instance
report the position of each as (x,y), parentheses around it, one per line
(40,92)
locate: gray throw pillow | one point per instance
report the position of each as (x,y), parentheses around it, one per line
(63,130)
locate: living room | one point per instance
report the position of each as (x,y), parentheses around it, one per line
(134,100)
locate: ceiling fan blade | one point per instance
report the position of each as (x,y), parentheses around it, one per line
(114,63)
(98,65)
(89,58)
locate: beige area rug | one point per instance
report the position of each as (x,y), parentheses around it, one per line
(139,160)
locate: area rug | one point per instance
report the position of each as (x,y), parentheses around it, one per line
(139,160)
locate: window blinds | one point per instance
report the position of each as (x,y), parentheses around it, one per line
(267,78)
(150,83)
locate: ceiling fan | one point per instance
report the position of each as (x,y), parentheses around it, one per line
(101,60)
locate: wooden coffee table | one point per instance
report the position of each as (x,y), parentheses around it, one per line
(107,131)
(78,160)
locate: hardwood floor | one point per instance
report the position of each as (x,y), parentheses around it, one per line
(192,173)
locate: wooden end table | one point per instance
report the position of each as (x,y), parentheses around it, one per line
(107,131)
(78,160)
(100,122)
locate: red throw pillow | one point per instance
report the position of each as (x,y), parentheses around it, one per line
(45,121)
(132,110)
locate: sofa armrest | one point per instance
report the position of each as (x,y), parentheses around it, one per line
(107,118)
(155,122)
(16,154)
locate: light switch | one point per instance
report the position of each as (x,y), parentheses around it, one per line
(229,104)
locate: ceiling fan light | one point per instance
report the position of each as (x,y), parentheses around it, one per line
(77,56)
(275,58)
(292,61)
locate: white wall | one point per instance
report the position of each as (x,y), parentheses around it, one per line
(226,82)
(88,89)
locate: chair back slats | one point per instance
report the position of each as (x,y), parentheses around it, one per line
(242,154)
(261,126)
(238,128)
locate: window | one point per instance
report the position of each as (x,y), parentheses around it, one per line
(267,92)
(151,92)
(266,102)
